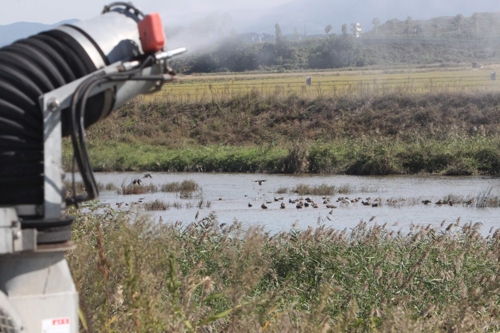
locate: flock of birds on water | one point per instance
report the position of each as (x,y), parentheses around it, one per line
(302,202)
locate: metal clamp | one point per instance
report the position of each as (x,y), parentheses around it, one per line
(12,238)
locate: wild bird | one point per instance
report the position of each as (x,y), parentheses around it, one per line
(137,182)
(148,175)
(263,206)
(426,202)
(343,199)
(282,206)
(249,204)
(261,181)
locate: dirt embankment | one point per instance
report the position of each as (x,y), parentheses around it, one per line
(254,120)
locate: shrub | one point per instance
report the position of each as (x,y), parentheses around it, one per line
(156,205)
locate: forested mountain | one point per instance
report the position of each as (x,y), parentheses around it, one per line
(478,26)
(11,32)
(313,15)
(444,40)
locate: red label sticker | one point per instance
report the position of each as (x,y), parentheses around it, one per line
(56,325)
(61,321)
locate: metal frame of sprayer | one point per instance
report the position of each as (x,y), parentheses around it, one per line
(37,293)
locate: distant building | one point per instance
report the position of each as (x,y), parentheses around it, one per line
(358,30)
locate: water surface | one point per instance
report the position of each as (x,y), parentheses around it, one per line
(230,194)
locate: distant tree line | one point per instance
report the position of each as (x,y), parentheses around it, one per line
(479,26)
(235,54)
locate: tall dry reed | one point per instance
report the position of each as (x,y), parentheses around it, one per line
(135,275)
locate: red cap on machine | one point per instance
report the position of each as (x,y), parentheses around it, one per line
(151,32)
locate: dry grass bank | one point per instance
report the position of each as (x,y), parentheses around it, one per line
(450,133)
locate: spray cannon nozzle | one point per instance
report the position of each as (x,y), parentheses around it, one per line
(170,54)
(127,66)
(160,56)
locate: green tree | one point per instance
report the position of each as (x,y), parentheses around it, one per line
(328,28)
(353,28)
(278,33)
(458,21)
(267,54)
(335,52)
(393,25)
(475,22)
(283,53)
(204,63)
(409,26)
(234,55)
(344,29)
(376,23)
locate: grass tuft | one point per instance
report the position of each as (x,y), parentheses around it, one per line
(157,205)
(184,186)
(323,189)
(137,189)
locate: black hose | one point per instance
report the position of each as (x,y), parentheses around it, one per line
(28,69)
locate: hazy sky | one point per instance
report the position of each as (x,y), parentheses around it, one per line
(246,12)
(53,11)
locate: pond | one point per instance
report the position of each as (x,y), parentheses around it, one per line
(227,196)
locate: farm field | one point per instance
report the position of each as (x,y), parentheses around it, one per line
(349,122)
(327,84)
